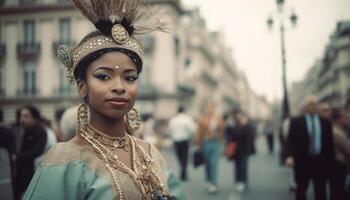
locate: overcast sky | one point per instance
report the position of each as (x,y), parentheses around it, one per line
(256,49)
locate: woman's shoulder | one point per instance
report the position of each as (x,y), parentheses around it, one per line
(65,153)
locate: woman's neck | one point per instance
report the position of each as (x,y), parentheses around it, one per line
(109,126)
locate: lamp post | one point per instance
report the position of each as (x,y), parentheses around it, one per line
(281,15)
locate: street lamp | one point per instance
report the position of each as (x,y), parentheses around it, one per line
(281,15)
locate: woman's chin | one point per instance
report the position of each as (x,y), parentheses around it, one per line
(116,114)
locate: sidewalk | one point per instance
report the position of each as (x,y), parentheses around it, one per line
(268,180)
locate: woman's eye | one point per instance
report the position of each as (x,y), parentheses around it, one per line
(102,77)
(131,78)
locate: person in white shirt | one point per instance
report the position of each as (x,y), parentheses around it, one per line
(181,128)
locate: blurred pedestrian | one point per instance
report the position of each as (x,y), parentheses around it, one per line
(33,145)
(18,132)
(7,142)
(181,128)
(311,150)
(50,141)
(269,134)
(68,123)
(325,111)
(229,124)
(342,155)
(56,126)
(284,130)
(148,131)
(347,129)
(242,134)
(209,137)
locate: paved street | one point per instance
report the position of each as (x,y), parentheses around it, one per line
(268,181)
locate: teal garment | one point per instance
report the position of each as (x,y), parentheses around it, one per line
(74,172)
(212,151)
(175,186)
(72,181)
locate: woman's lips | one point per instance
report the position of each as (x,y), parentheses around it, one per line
(118,103)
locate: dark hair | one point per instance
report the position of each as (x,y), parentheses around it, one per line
(180,109)
(80,70)
(33,111)
(347,103)
(336,114)
(45,121)
(236,111)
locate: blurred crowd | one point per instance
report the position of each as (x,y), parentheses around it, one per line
(315,145)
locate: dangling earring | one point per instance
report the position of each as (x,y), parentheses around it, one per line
(82,117)
(133,121)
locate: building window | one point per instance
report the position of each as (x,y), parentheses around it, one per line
(29,78)
(177,45)
(2,91)
(188,62)
(145,77)
(29,31)
(65,29)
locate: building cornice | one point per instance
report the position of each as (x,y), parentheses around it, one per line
(35,8)
(37,100)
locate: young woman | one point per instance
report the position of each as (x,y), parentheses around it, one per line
(103,161)
(209,137)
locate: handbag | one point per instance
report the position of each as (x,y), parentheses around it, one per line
(198,158)
(230,150)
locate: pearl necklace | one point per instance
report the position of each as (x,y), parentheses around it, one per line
(113,142)
(112,161)
(104,157)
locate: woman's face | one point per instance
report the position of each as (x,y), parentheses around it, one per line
(110,85)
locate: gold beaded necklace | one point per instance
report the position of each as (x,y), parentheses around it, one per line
(144,175)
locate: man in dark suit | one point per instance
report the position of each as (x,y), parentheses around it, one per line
(311,150)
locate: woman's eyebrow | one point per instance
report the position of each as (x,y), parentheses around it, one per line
(130,69)
(105,68)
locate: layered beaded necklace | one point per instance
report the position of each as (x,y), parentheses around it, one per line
(142,170)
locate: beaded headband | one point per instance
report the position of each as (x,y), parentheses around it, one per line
(71,58)
(117,22)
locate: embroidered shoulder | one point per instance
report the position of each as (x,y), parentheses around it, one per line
(65,153)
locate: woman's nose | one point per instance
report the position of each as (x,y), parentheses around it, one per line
(118,86)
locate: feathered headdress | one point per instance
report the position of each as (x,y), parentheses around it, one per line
(117,21)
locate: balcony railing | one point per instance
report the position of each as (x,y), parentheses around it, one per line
(69,43)
(63,90)
(28,51)
(27,92)
(2,51)
(27,2)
